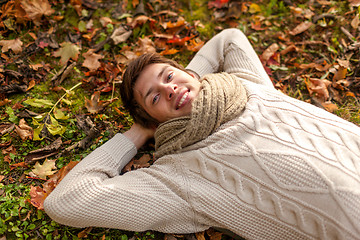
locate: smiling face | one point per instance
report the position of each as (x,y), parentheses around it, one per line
(165,92)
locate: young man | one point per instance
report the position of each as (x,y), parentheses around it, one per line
(232,152)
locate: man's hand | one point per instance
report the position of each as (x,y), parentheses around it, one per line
(139,134)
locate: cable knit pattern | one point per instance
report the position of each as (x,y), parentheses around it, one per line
(282,169)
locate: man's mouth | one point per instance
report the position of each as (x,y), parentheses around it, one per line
(182,100)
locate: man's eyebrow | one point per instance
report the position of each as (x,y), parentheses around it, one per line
(163,69)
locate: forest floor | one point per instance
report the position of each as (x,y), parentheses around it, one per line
(61,64)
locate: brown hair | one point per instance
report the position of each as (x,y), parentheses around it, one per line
(130,77)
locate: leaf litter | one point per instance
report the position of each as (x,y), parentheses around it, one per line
(62,61)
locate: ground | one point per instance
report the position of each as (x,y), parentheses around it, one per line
(61,64)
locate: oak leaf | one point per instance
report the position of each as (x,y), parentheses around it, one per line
(68,50)
(14,44)
(35,9)
(43,170)
(92,60)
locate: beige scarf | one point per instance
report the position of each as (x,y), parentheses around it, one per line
(222,97)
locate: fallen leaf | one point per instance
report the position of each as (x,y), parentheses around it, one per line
(319,87)
(120,35)
(68,50)
(14,45)
(84,233)
(146,45)
(355,22)
(105,21)
(270,51)
(35,9)
(44,170)
(302,27)
(354,3)
(37,197)
(95,105)
(24,131)
(194,45)
(329,106)
(169,51)
(340,74)
(92,60)
(55,128)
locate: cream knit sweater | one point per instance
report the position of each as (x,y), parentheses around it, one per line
(284,169)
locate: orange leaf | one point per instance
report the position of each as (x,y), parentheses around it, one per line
(37,197)
(169,51)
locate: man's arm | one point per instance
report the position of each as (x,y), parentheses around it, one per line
(231,52)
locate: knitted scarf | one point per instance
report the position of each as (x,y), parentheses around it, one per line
(222,97)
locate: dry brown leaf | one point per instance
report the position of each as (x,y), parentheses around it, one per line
(302,27)
(105,21)
(319,87)
(200,235)
(24,130)
(35,9)
(340,74)
(14,44)
(95,105)
(146,45)
(92,60)
(354,3)
(120,35)
(355,22)
(269,51)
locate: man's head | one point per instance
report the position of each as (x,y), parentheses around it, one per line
(156,89)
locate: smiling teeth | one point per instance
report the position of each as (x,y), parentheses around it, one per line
(183,99)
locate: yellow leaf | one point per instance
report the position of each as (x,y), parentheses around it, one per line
(44,170)
(254,8)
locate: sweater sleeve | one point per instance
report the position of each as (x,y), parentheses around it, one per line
(231,52)
(94,194)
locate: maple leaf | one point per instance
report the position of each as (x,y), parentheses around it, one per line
(14,45)
(95,105)
(44,170)
(35,9)
(92,60)
(68,50)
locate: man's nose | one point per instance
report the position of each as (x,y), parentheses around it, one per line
(169,90)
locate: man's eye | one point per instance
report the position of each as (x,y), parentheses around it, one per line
(156,97)
(169,77)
